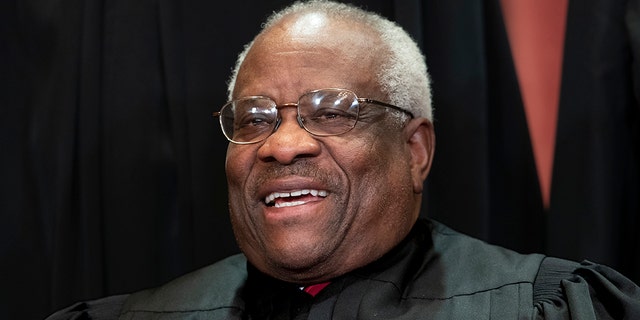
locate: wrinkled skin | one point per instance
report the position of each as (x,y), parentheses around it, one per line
(373,175)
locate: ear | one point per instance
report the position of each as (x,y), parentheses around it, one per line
(421,140)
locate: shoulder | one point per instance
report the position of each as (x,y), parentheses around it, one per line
(554,288)
(211,292)
(584,290)
(107,308)
(456,268)
(476,263)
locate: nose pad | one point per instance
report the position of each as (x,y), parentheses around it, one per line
(279,122)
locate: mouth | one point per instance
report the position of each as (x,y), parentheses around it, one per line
(294,198)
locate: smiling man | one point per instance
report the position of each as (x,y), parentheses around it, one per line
(360,164)
(331,139)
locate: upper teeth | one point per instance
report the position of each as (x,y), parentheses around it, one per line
(270,198)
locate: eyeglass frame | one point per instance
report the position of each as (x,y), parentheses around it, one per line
(278,121)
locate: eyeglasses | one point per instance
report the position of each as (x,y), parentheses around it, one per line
(323,112)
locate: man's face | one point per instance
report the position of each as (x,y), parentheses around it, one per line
(340,202)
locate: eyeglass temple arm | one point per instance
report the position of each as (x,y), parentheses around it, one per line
(386,105)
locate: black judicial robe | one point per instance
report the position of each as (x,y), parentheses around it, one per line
(435,273)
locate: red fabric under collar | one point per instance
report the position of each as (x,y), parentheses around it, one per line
(316,288)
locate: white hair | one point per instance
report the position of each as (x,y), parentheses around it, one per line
(402,76)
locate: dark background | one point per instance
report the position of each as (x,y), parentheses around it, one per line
(112,168)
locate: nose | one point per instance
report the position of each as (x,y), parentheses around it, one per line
(289,142)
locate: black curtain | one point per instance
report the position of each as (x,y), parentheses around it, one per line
(112,169)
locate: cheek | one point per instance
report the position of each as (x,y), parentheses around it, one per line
(390,168)
(376,157)
(237,165)
(239,162)
(380,203)
(374,167)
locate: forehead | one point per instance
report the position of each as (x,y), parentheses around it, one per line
(310,51)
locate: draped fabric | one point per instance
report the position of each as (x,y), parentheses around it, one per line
(484,163)
(112,168)
(535,30)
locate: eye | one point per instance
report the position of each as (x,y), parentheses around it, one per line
(253,121)
(331,115)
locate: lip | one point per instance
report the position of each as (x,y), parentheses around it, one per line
(295,215)
(295,197)
(289,184)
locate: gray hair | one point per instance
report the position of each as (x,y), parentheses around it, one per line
(402,77)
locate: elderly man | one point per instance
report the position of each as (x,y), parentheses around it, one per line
(331,139)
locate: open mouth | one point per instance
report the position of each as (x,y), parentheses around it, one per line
(294,198)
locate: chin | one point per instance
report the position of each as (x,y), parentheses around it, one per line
(296,259)
(297,267)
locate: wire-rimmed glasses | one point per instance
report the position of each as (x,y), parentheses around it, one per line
(323,112)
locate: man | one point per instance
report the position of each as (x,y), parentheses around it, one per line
(331,140)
